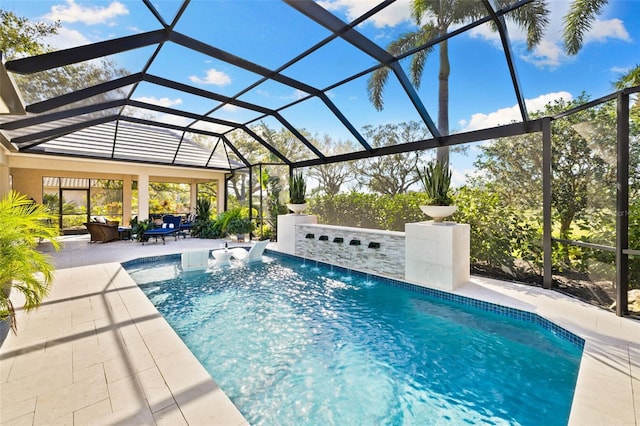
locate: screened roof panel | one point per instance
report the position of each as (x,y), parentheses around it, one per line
(330,64)
(479,105)
(196,149)
(248,62)
(314,117)
(235,114)
(211,127)
(289,144)
(159,117)
(273,95)
(275,29)
(351,99)
(250,148)
(200,70)
(156,94)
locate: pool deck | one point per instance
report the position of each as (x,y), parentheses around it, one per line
(98,352)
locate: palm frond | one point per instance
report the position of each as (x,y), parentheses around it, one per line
(534,19)
(578,21)
(375,87)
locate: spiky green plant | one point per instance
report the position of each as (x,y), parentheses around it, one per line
(436,179)
(297,189)
(22,267)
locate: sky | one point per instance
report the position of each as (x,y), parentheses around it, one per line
(270,33)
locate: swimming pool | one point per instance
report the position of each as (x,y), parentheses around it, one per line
(294,344)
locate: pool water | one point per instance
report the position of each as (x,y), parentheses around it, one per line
(292,344)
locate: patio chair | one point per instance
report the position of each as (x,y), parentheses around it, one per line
(195,260)
(170,226)
(254,253)
(102,232)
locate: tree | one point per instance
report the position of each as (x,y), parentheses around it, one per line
(20,37)
(332,177)
(629,79)
(583,149)
(438,17)
(395,173)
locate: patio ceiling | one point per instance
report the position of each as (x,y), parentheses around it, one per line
(115,120)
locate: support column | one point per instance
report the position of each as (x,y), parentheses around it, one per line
(143,197)
(622,207)
(547,247)
(193,197)
(126,200)
(4,174)
(222,193)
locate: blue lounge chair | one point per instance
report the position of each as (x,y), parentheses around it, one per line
(170,226)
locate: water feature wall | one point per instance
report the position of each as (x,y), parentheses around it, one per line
(373,250)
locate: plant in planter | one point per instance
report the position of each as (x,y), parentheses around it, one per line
(297,190)
(139,226)
(22,267)
(240,226)
(436,180)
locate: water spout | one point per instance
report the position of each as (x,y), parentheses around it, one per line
(338,240)
(374,245)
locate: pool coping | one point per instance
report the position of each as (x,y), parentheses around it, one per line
(608,385)
(74,319)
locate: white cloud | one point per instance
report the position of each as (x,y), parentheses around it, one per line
(546,54)
(508,115)
(164,102)
(214,77)
(230,108)
(609,29)
(173,119)
(212,127)
(89,15)
(388,17)
(67,38)
(299,94)
(550,51)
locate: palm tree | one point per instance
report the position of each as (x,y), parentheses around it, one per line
(629,79)
(445,13)
(22,266)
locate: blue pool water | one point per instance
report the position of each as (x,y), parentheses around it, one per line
(292,344)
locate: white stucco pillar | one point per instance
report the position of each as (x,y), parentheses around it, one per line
(143,197)
(194,197)
(437,254)
(4,173)
(126,200)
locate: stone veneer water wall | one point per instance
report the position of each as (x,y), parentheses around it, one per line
(378,252)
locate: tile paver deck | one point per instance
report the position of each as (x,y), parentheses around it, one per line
(98,352)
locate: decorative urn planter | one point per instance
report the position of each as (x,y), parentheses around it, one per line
(438,213)
(297,208)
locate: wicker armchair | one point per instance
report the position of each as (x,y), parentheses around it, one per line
(102,232)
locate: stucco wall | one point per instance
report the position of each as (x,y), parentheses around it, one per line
(27,171)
